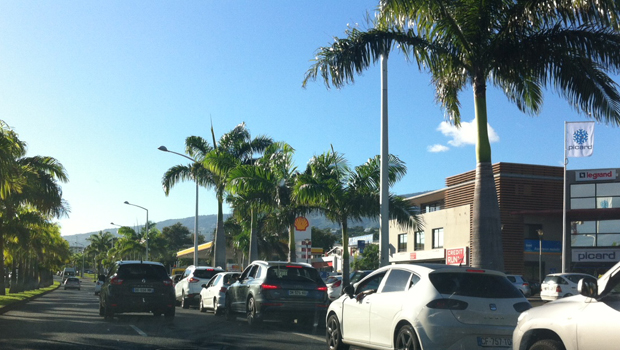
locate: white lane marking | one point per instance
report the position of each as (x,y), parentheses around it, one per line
(138,330)
(314,337)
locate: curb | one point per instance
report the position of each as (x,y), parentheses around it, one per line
(20,303)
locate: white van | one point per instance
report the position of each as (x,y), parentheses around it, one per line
(68,272)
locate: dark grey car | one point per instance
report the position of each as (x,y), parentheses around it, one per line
(137,286)
(280,290)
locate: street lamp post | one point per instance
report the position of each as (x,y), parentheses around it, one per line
(307,241)
(146,227)
(164,149)
(540,236)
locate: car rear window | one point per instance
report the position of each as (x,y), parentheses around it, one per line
(554,279)
(139,271)
(293,272)
(479,285)
(331,279)
(203,273)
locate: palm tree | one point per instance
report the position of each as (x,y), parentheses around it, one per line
(27,181)
(345,195)
(100,247)
(233,149)
(521,47)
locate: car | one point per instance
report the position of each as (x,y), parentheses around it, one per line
(561,285)
(99,283)
(588,320)
(187,289)
(72,283)
(426,306)
(278,290)
(334,290)
(213,293)
(176,278)
(137,286)
(521,283)
(334,287)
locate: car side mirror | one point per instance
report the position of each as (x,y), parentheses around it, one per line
(204,286)
(587,288)
(349,290)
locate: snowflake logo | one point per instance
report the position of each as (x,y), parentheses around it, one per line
(580,136)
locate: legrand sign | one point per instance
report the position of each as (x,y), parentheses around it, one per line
(596,255)
(596,175)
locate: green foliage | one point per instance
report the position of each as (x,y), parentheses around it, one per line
(323,238)
(369,259)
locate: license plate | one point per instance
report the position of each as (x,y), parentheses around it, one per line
(495,342)
(143,290)
(300,293)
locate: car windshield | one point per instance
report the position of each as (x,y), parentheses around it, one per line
(293,272)
(139,271)
(479,285)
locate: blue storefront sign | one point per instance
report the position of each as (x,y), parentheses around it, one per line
(531,246)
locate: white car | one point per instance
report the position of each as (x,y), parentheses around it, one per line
(561,285)
(426,306)
(187,289)
(334,286)
(582,322)
(213,294)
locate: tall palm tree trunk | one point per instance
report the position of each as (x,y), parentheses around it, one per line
(219,244)
(253,255)
(292,255)
(2,277)
(486,241)
(345,253)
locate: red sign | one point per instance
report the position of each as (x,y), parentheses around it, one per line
(456,256)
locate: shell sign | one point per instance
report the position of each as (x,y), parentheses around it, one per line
(301,223)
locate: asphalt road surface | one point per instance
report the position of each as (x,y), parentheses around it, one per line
(69,319)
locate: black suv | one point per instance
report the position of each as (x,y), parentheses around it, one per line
(279,290)
(137,286)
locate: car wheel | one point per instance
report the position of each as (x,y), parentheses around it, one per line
(407,339)
(230,315)
(547,344)
(65,288)
(216,310)
(333,334)
(184,302)
(201,307)
(169,314)
(252,313)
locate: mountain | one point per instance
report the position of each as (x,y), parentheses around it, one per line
(207,225)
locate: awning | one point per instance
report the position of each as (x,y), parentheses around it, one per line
(204,251)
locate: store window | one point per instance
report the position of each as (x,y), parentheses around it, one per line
(602,233)
(595,196)
(419,240)
(438,238)
(402,242)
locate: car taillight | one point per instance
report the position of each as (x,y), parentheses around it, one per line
(322,289)
(447,304)
(558,289)
(269,286)
(116,281)
(193,280)
(476,271)
(525,284)
(223,289)
(168,282)
(337,283)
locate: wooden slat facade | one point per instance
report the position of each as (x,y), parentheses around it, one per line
(519,187)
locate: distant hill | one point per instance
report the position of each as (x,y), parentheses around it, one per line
(207,224)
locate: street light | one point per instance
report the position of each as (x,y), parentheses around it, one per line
(540,236)
(164,149)
(146,227)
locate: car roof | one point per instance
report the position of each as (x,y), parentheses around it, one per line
(430,267)
(133,262)
(569,274)
(277,263)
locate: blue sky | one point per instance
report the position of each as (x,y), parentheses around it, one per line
(101,85)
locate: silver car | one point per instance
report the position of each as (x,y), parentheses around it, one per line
(521,284)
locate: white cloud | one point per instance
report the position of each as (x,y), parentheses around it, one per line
(466,134)
(437,148)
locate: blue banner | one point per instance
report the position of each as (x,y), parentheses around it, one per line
(531,246)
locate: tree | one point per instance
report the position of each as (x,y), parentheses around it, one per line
(99,248)
(26,181)
(369,258)
(323,238)
(343,194)
(521,47)
(233,149)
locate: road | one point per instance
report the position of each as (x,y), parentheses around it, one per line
(69,319)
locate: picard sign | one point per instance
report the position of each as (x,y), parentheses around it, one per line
(456,256)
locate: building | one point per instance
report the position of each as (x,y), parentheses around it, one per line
(531,209)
